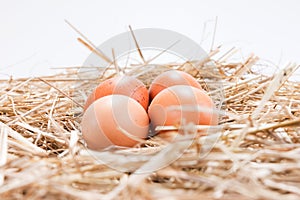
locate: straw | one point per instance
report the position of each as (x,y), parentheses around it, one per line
(254,152)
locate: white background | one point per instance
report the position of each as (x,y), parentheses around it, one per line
(35,38)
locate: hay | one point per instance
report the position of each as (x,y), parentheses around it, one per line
(256,156)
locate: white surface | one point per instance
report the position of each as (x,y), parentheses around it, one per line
(34,36)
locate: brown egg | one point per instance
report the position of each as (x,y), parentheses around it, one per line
(108,119)
(182,104)
(124,85)
(171,78)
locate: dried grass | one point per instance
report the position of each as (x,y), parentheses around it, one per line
(256,156)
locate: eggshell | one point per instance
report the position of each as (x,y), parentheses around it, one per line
(171,78)
(124,85)
(104,121)
(181,104)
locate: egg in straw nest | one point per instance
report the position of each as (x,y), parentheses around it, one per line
(255,155)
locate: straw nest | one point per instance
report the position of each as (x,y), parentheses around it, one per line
(253,154)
